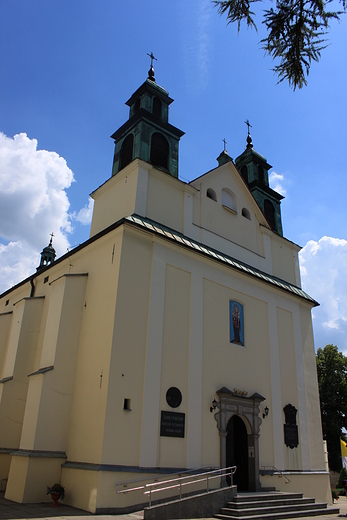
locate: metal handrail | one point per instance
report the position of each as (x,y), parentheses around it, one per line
(157,478)
(280,473)
(179,482)
(194,479)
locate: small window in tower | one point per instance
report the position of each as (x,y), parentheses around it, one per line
(246,213)
(46,278)
(211,194)
(7,302)
(126,153)
(244,173)
(269,212)
(229,199)
(260,173)
(137,105)
(159,151)
(156,107)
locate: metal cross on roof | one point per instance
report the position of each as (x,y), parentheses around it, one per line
(224,141)
(152,58)
(51,235)
(248,124)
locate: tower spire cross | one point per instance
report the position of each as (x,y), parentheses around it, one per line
(248,125)
(225,143)
(152,58)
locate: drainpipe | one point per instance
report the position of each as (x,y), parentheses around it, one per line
(32,292)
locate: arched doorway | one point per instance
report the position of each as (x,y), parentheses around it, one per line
(237,451)
(238,422)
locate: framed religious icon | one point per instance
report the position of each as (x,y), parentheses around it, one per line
(237,329)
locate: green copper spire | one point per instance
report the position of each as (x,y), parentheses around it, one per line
(224,157)
(147,134)
(254,170)
(48,255)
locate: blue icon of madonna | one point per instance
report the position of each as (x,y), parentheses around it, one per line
(237,334)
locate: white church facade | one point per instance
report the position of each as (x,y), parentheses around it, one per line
(177,337)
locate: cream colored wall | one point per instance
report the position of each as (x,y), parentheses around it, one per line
(30,476)
(312,395)
(289,383)
(122,431)
(251,368)
(213,216)
(165,200)
(284,256)
(45,291)
(225,364)
(234,234)
(45,427)
(101,260)
(13,297)
(18,364)
(115,199)
(81,488)
(175,359)
(5,462)
(312,485)
(91,490)
(5,327)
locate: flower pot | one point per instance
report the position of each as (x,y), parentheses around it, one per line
(55,497)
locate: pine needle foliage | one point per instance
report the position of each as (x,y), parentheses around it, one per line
(296,32)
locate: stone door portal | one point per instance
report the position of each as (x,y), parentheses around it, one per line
(239,423)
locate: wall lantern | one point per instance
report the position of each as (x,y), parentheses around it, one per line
(214,406)
(266,412)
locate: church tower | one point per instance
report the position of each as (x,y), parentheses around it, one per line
(48,255)
(147,134)
(254,169)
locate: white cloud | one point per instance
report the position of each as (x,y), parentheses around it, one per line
(324,277)
(33,203)
(196,33)
(16,263)
(84,216)
(203,39)
(276,181)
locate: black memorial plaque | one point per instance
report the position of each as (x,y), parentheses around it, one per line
(291,437)
(172,424)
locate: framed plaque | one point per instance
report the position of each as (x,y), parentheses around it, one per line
(172,424)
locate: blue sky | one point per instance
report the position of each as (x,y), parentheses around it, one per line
(68,66)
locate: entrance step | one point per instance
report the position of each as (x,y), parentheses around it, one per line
(263,506)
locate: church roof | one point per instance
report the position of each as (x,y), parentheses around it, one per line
(165,232)
(174,236)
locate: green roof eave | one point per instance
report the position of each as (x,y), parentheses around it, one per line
(144,115)
(184,241)
(174,236)
(152,87)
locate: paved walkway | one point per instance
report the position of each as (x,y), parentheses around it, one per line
(12,510)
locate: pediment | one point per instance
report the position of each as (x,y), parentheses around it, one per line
(227,177)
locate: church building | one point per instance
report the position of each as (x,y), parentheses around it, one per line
(176,337)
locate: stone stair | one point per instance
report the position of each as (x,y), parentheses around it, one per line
(264,506)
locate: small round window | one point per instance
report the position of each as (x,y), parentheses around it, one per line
(173,397)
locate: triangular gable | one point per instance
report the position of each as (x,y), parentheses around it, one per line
(232,179)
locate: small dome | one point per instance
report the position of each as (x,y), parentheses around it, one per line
(48,255)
